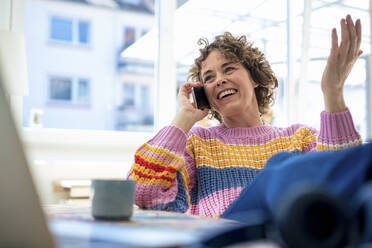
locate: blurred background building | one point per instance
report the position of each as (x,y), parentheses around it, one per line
(76,79)
(91,62)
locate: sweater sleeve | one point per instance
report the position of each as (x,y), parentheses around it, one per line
(337,132)
(161,175)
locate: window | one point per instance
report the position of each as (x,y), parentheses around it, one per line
(68,90)
(128,95)
(60,89)
(145,97)
(129,36)
(256,19)
(69,30)
(83,91)
(61,29)
(135,112)
(83,32)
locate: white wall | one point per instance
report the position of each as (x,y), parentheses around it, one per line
(75,154)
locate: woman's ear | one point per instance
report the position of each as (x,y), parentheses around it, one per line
(255,85)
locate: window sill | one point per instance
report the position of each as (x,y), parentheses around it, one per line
(85,138)
(69,44)
(67,104)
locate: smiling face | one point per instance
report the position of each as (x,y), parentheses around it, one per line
(229,86)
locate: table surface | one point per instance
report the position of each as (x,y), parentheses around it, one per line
(146,228)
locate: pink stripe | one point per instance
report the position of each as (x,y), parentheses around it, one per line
(337,128)
(171,138)
(216,203)
(255,138)
(149,195)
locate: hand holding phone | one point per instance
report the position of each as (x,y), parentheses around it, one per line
(200,98)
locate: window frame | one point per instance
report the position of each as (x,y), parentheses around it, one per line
(74,91)
(75,30)
(156,108)
(39,138)
(51,29)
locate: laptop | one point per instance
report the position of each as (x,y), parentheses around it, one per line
(23,223)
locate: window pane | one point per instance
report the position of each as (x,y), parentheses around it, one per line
(60,89)
(97,73)
(129,36)
(323,18)
(265,25)
(83,91)
(61,29)
(128,95)
(84,32)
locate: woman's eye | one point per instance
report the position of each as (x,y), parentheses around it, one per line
(208,78)
(229,69)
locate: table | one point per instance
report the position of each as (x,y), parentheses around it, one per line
(74,225)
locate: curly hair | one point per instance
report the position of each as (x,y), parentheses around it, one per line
(237,49)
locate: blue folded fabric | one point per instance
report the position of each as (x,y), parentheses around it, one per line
(342,173)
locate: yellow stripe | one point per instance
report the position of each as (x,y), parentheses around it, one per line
(337,147)
(152,181)
(214,153)
(185,179)
(162,151)
(301,137)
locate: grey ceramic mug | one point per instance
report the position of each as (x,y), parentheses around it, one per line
(112,199)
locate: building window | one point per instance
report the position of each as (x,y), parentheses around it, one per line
(83,91)
(69,90)
(145,97)
(129,94)
(61,29)
(69,30)
(84,32)
(129,36)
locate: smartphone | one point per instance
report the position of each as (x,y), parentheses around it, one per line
(200,98)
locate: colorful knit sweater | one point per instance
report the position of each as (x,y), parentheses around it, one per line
(204,172)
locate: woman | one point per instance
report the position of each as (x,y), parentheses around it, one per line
(203,170)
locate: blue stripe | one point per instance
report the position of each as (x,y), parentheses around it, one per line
(211,180)
(179,204)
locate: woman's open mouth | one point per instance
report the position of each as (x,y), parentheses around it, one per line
(226,93)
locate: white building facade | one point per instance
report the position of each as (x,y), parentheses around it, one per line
(75,79)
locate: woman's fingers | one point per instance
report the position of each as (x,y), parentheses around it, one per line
(358,30)
(187,88)
(352,34)
(345,39)
(334,47)
(353,37)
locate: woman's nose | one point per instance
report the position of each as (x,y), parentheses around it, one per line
(220,80)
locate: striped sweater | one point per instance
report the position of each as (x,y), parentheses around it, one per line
(203,172)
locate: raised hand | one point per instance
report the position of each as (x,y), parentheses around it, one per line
(340,62)
(188,114)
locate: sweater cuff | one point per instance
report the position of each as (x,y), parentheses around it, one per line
(171,138)
(337,127)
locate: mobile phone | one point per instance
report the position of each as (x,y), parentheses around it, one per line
(200,98)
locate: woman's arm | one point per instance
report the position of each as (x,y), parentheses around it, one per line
(340,62)
(163,168)
(162,176)
(337,129)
